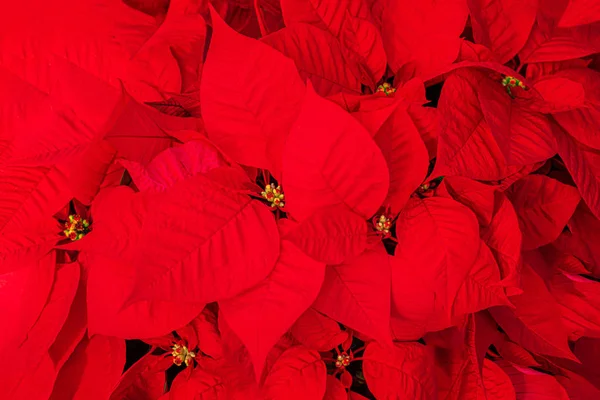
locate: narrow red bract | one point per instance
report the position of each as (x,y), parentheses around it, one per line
(300,199)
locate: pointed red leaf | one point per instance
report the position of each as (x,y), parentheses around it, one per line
(497,383)
(451,230)
(357,294)
(525,324)
(328,74)
(248,117)
(43,332)
(504,238)
(144,380)
(335,389)
(26,290)
(109,284)
(403,371)
(523,135)
(198,384)
(317,331)
(92,371)
(531,384)
(579,303)
(299,373)
(422,38)
(171,252)
(350,23)
(502,25)
(331,235)
(406,157)
(550,42)
(326,153)
(580,12)
(544,206)
(262,314)
(174,165)
(584,166)
(466,145)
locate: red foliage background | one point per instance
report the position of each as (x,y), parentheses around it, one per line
(300,199)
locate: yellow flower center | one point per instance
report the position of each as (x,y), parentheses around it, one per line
(274,195)
(76,227)
(386,88)
(343,360)
(382,224)
(182,355)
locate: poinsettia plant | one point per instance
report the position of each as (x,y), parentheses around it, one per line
(300,199)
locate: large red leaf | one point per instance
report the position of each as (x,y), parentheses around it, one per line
(74,328)
(428,123)
(350,23)
(580,241)
(326,153)
(424,37)
(531,384)
(502,25)
(504,238)
(543,206)
(92,371)
(582,120)
(144,380)
(420,294)
(583,164)
(580,12)
(174,165)
(335,389)
(43,332)
(550,42)
(458,367)
(475,195)
(182,239)
(297,374)
(24,293)
(357,294)
(317,331)
(37,383)
(110,283)
(466,145)
(579,302)
(496,382)
(248,109)
(523,135)
(577,387)
(328,74)
(261,315)
(525,325)
(403,371)
(406,156)
(481,288)
(199,385)
(331,235)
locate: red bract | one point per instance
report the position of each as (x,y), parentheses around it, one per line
(300,199)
